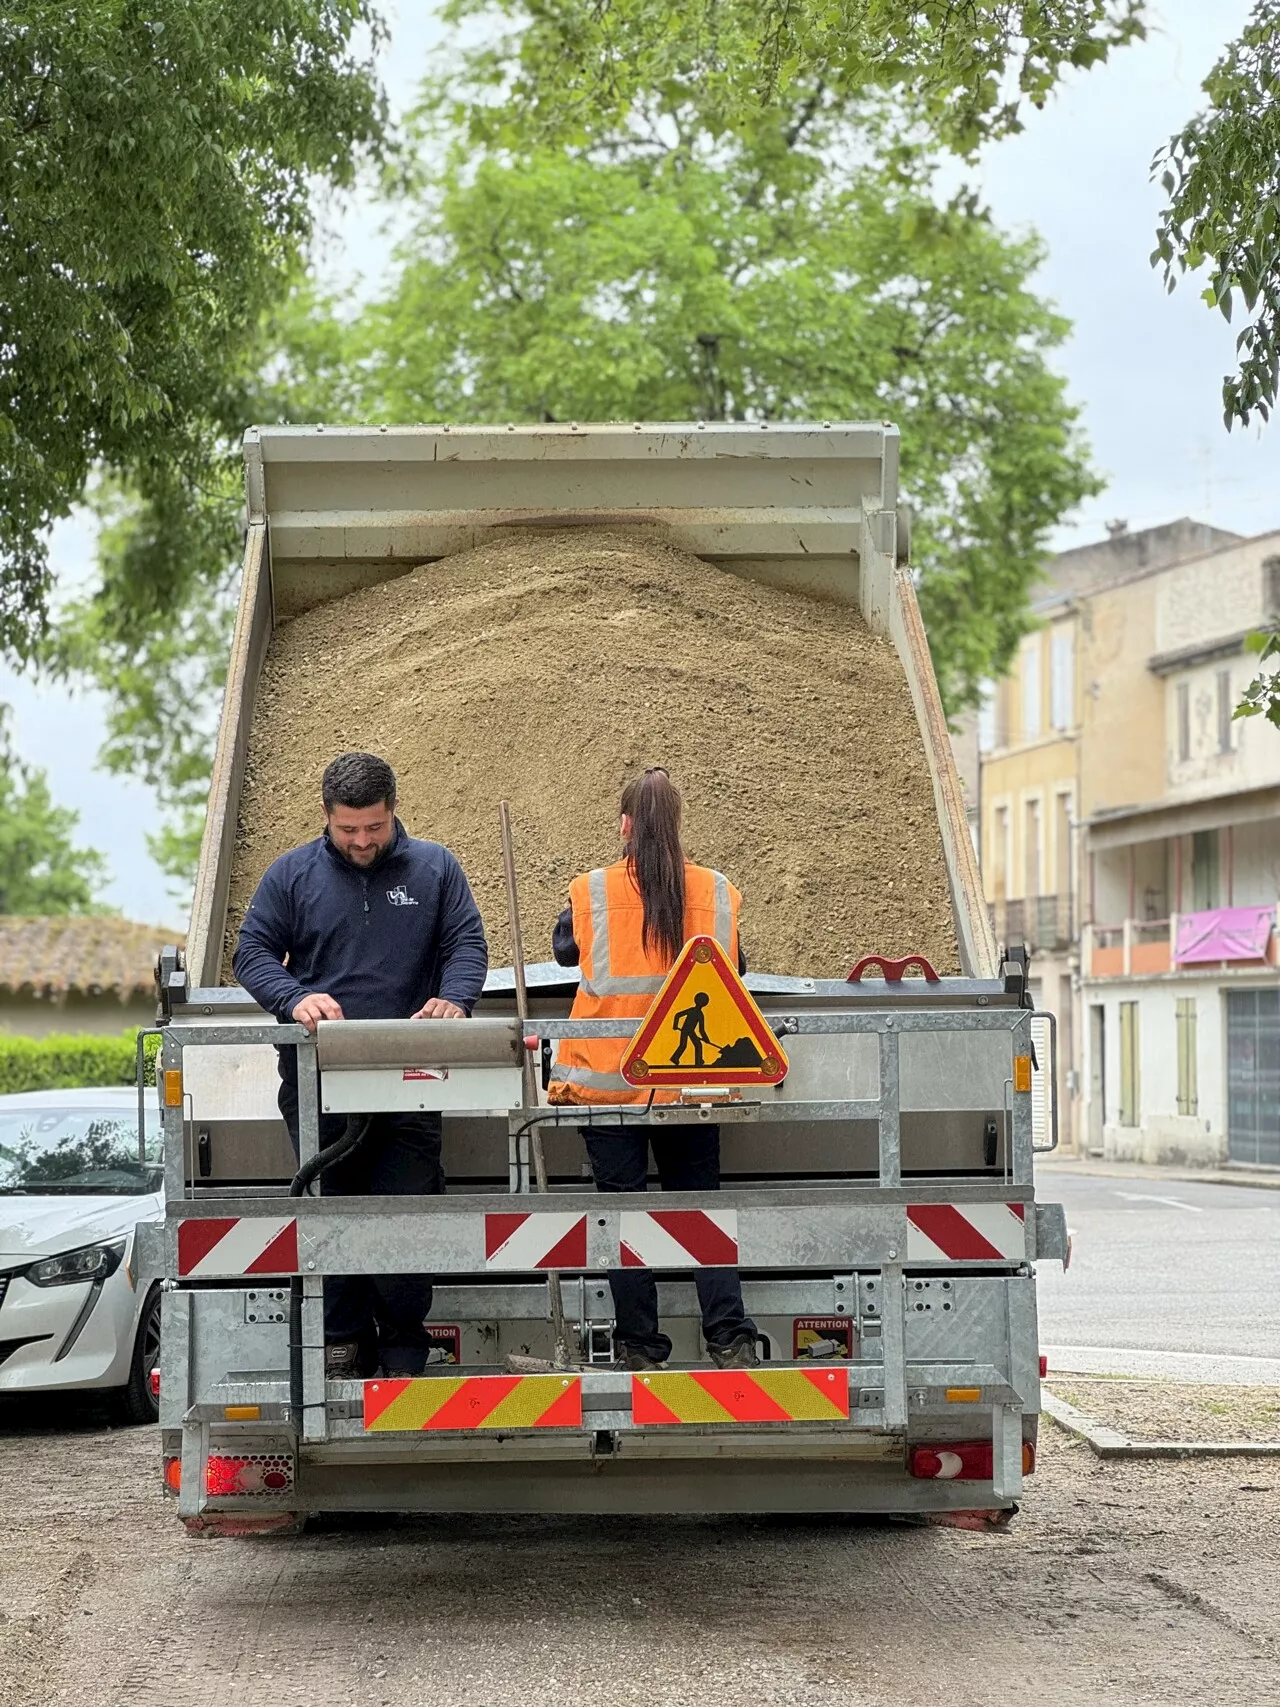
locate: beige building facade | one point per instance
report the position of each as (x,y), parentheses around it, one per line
(1127,828)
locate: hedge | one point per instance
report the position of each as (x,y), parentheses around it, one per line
(59,1062)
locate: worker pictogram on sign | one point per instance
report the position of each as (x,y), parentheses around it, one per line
(739,1396)
(703,1028)
(238,1244)
(464,1402)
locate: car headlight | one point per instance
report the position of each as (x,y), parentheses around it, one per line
(90,1262)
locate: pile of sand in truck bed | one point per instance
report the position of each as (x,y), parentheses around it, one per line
(550,667)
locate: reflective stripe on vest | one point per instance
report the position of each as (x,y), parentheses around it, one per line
(611,986)
(591,1079)
(604,982)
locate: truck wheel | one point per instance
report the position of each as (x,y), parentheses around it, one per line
(133,1403)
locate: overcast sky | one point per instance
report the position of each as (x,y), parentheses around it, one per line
(1145,369)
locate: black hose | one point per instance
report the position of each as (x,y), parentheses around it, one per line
(357,1131)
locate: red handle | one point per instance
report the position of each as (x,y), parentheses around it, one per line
(892,969)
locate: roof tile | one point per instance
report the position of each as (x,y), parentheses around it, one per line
(82,954)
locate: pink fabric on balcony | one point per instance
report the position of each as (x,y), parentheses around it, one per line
(1224,933)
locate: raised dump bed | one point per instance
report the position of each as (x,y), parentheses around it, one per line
(810,744)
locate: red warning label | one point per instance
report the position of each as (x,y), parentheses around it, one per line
(446,1343)
(823,1336)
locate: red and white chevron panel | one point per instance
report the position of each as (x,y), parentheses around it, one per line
(241,1244)
(969,1232)
(538,1240)
(679,1238)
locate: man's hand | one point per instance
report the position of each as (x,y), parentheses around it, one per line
(438,1008)
(312,1009)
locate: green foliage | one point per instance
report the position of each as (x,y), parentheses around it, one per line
(968,70)
(642,282)
(42,871)
(652,210)
(1262,696)
(164,682)
(61,1062)
(156,166)
(1222,177)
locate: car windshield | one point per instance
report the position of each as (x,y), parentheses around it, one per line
(78,1151)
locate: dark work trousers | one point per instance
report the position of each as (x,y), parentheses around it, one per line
(688,1159)
(384,1314)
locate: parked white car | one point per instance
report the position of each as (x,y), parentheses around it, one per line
(73,1190)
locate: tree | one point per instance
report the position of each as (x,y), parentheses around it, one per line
(1222,175)
(41,869)
(967,70)
(695,249)
(641,279)
(163,682)
(156,167)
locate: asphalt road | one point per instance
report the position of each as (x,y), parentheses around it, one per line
(1167,1278)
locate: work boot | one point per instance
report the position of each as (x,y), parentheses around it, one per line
(738,1354)
(403,1365)
(340,1360)
(634,1358)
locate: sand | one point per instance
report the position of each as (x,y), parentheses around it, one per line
(549,667)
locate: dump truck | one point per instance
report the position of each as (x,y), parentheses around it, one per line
(879,1201)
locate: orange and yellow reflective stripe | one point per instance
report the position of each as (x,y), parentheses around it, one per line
(473,1402)
(740,1396)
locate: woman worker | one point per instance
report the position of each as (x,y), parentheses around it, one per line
(625,926)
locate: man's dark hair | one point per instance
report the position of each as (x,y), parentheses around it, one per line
(359,780)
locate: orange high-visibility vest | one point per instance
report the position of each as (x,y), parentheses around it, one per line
(619,979)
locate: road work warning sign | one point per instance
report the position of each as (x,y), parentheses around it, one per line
(703,1028)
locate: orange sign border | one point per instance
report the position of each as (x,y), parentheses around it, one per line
(694,953)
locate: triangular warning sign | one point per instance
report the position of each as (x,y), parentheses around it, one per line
(703,1028)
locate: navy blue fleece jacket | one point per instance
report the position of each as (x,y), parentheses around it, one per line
(380,939)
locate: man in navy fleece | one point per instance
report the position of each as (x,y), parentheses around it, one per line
(373,924)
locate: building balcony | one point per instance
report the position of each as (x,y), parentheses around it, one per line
(1043,922)
(1222,939)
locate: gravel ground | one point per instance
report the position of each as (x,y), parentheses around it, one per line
(1174,1410)
(1119,1584)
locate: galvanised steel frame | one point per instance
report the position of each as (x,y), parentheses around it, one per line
(808,1247)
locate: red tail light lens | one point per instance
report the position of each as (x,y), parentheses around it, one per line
(962,1461)
(1044,1367)
(153,1381)
(226,1478)
(173,1474)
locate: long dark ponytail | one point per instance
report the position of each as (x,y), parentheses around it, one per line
(656,859)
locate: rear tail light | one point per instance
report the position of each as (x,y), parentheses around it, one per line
(1044,1366)
(962,1461)
(253,1474)
(173,1474)
(153,1381)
